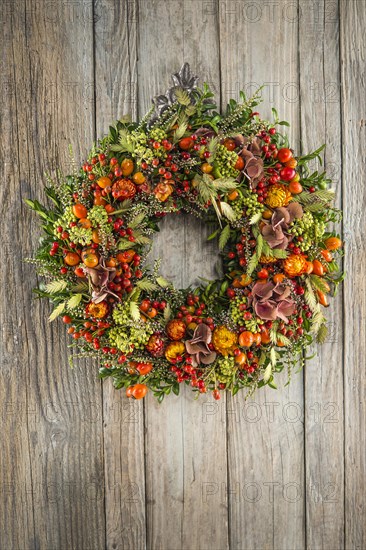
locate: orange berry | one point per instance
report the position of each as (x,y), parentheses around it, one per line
(246,339)
(79,210)
(327,255)
(206,168)
(103,182)
(127,167)
(139,178)
(85,223)
(333,243)
(318,268)
(233,195)
(278,278)
(72,258)
(295,187)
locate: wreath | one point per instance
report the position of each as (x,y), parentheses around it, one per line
(271,216)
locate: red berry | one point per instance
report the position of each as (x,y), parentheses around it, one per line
(66,319)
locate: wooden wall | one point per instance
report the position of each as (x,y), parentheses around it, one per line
(82,467)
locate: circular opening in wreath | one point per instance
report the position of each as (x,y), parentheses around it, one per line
(186,255)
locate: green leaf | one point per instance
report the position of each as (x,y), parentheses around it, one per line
(224,237)
(253,262)
(224,184)
(163,282)
(141,239)
(227,211)
(268,372)
(56,286)
(213,235)
(126,205)
(74,301)
(144,284)
(310,297)
(255,218)
(278,253)
(318,283)
(182,97)
(125,244)
(135,312)
(167,313)
(179,132)
(259,249)
(322,334)
(57,311)
(273,356)
(136,220)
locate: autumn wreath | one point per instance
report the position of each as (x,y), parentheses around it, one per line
(271,214)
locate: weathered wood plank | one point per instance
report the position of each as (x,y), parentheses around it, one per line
(320,123)
(353,55)
(184,454)
(265,434)
(52,457)
(123,418)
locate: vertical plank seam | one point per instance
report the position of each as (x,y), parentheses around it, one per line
(303,353)
(228,478)
(94,122)
(26,393)
(136,8)
(341,114)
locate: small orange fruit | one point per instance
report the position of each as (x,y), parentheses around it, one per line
(138,178)
(206,168)
(95,236)
(79,210)
(318,268)
(239,165)
(233,195)
(103,182)
(72,258)
(265,338)
(279,277)
(126,257)
(295,187)
(327,255)
(90,260)
(139,391)
(246,339)
(322,298)
(127,167)
(333,243)
(85,223)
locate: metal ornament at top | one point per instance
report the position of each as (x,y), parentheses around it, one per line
(183,80)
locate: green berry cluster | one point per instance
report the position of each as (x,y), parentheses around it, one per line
(98,216)
(309,228)
(80,235)
(64,221)
(235,313)
(122,314)
(249,203)
(120,339)
(226,369)
(158,134)
(253,325)
(225,161)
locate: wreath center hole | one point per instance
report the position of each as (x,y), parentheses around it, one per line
(185,253)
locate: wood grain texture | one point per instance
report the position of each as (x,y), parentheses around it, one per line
(123,419)
(54,448)
(353,77)
(82,467)
(269,425)
(324,430)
